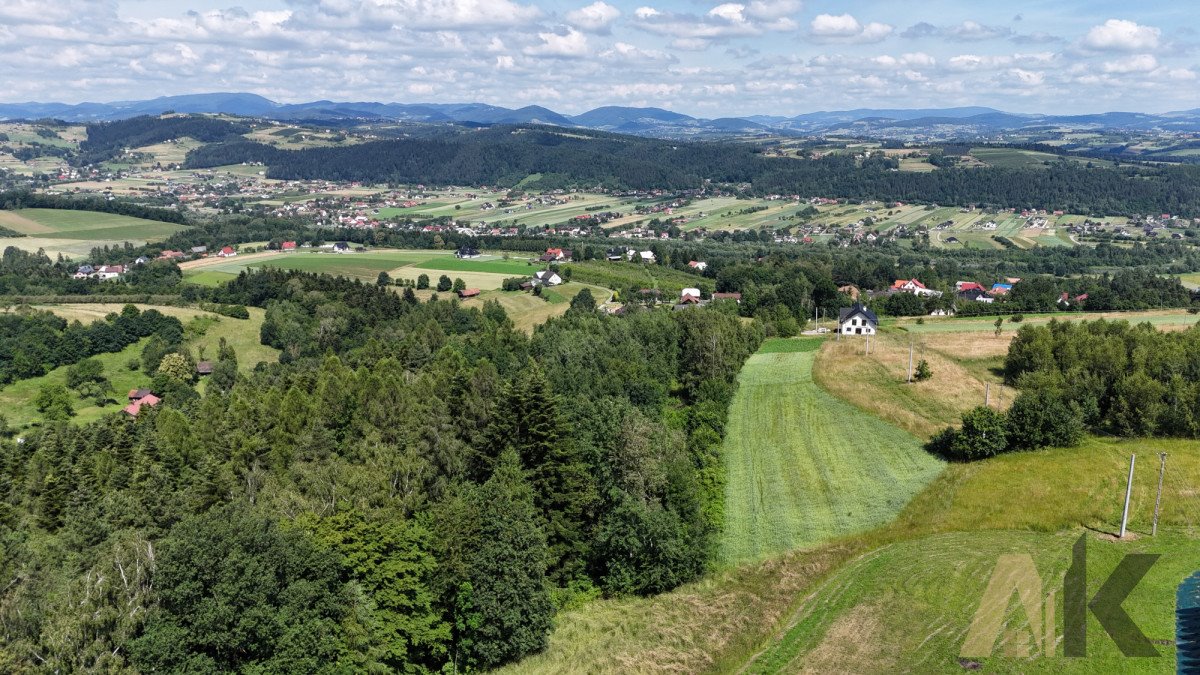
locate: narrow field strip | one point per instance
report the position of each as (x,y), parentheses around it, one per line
(803,467)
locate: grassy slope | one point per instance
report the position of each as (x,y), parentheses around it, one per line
(803,466)
(962,364)
(16,400)
(812,598)
(909,602)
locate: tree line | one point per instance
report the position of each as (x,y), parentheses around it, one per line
(506,155)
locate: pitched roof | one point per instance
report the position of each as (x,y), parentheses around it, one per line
(846,313)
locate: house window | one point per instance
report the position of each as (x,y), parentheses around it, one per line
(858,331)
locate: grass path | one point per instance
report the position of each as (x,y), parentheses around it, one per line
(804,467)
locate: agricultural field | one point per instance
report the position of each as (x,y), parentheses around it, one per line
(487,272)
(1015,158)
(75,233)
(1165,319)
(804,467)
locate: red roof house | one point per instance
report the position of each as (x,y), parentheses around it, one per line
(149,400)
(288,246)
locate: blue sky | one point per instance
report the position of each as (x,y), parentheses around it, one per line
(710,59)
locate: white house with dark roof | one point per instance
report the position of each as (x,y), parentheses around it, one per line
(857,320)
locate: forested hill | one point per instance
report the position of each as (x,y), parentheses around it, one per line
(507,156)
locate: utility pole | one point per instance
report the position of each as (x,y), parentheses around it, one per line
(1128,491)
(1162,467)
(910,352)
(987,394)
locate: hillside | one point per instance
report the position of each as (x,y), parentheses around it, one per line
(804,467)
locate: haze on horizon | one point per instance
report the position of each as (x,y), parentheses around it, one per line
(708,59)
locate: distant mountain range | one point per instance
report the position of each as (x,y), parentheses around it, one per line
(943,122)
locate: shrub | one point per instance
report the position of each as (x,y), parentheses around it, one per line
(983,434)
(923,371)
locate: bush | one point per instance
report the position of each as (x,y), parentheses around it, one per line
(1039,419)
(983,434)
(1016,318)
(923,371)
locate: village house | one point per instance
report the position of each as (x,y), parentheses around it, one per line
(467,252)
(341,247)
(975,295)
(227,252)
(913,286)
(857,320)
(736,297)
(546,278)
(139,398)
(107,272)
(689,295)
(204,368)
(287,246)
(698,265)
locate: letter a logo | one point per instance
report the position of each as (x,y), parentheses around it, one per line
(1014,573)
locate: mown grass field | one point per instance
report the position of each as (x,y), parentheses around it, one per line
(867,603)
(67,224)
(804,467)
(491,264)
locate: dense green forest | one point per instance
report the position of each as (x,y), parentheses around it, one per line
(1108,377)
(505,155)
(106,140)
(414,485)
(34,342)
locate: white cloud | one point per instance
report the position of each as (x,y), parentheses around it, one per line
(623,51)
(771,10)
(723,22)
(1138,63)
(1027,77)
(572,44)
(967,31)
(595,18)
(846,28)
(1122,35)
(730,11)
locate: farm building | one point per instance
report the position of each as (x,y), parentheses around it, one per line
(467,252)
(857,320)
(468,293)
(287,246)
(689,295)
(341,247)
(736,297)
(204,368)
